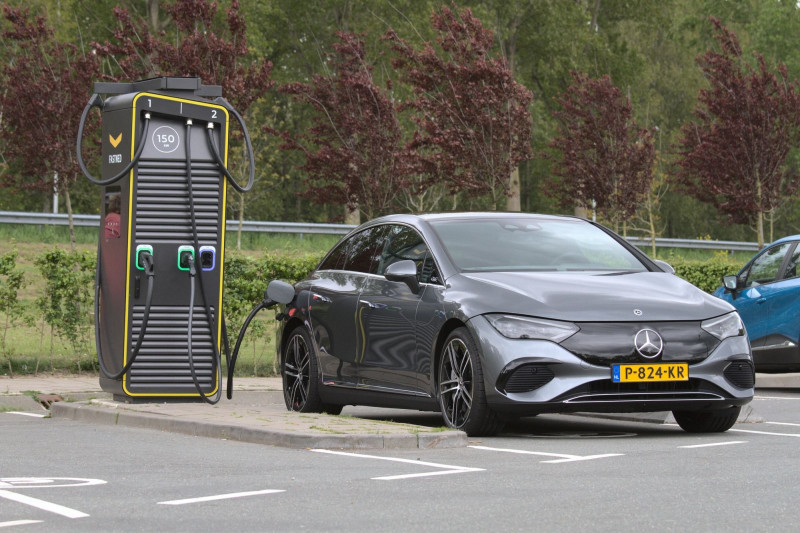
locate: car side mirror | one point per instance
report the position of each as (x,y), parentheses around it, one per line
(731,283)
(663,265)
(280,292)
(403,271)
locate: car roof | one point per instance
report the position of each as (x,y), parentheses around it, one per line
(785,239)
(473,215)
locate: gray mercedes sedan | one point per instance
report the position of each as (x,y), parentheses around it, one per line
(487,316)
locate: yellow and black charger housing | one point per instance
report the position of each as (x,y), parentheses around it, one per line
(165,213)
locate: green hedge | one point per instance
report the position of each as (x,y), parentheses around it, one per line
(706,275)
(65,303)
(246,280)
(12,280)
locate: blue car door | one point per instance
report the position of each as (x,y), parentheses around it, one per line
(783,304)
(760,284)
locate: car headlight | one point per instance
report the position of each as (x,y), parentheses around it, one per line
(523,327)
(724,326)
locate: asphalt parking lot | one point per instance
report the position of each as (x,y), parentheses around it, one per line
(548,473)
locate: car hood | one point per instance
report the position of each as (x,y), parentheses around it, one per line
(584,297)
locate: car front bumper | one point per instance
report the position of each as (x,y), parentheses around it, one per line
(567,383)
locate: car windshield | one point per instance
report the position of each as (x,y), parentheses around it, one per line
(532,244)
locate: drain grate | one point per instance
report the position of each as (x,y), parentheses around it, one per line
(48,399)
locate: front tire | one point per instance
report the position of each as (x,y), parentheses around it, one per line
(712,421)
(462,397)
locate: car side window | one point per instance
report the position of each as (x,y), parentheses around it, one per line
(765,267)
(336,259)
(365,251)
(791,265)
(404,243)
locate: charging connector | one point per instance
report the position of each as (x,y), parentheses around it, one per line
(142,251)
(184,253)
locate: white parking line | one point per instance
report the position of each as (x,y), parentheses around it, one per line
(776,398)
(41,504)
(783,424)
(23,413)
(447,469)
(220,497)
(766,433)
(715,444)
(564,458)
(19,523)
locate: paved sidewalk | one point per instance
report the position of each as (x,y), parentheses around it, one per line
(255,414)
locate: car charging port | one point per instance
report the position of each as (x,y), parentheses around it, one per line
(207,258)
(184,253)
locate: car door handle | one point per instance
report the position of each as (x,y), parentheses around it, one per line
(761,301)
(367,304)
(320,298)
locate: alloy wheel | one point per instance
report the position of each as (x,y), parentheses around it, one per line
(456,383)
(296,372)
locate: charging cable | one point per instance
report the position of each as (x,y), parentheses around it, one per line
(212,143)
(97,101)
(208,399)
(147,262)
(264,304)
(193,273)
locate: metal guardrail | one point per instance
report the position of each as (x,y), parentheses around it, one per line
(696,244)
(50,219)
(307,228)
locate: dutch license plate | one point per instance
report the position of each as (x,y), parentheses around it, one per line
(655,372)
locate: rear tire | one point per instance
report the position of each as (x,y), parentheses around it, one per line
(713,421)
(462,398)
(299,374)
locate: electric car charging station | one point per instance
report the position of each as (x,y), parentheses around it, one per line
(158,298)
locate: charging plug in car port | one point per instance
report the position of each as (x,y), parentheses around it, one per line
(207,257)
(184,252)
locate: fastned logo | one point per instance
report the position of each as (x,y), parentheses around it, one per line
(115,140)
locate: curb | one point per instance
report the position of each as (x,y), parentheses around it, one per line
(120,417)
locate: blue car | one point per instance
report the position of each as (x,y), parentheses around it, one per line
(766,292)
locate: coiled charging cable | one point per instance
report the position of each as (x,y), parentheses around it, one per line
(96,101)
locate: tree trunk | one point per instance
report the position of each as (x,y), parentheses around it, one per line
(772,226)
(152,16)
(760,229)
(513,200)
(241,220)
(595,15)
(352,216)
(652,233)
(68,203)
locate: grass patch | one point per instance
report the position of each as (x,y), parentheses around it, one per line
(692,254)
(438,429)
(326,430)
(35,348)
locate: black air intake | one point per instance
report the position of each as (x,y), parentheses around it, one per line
(527,377)
(741,374)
